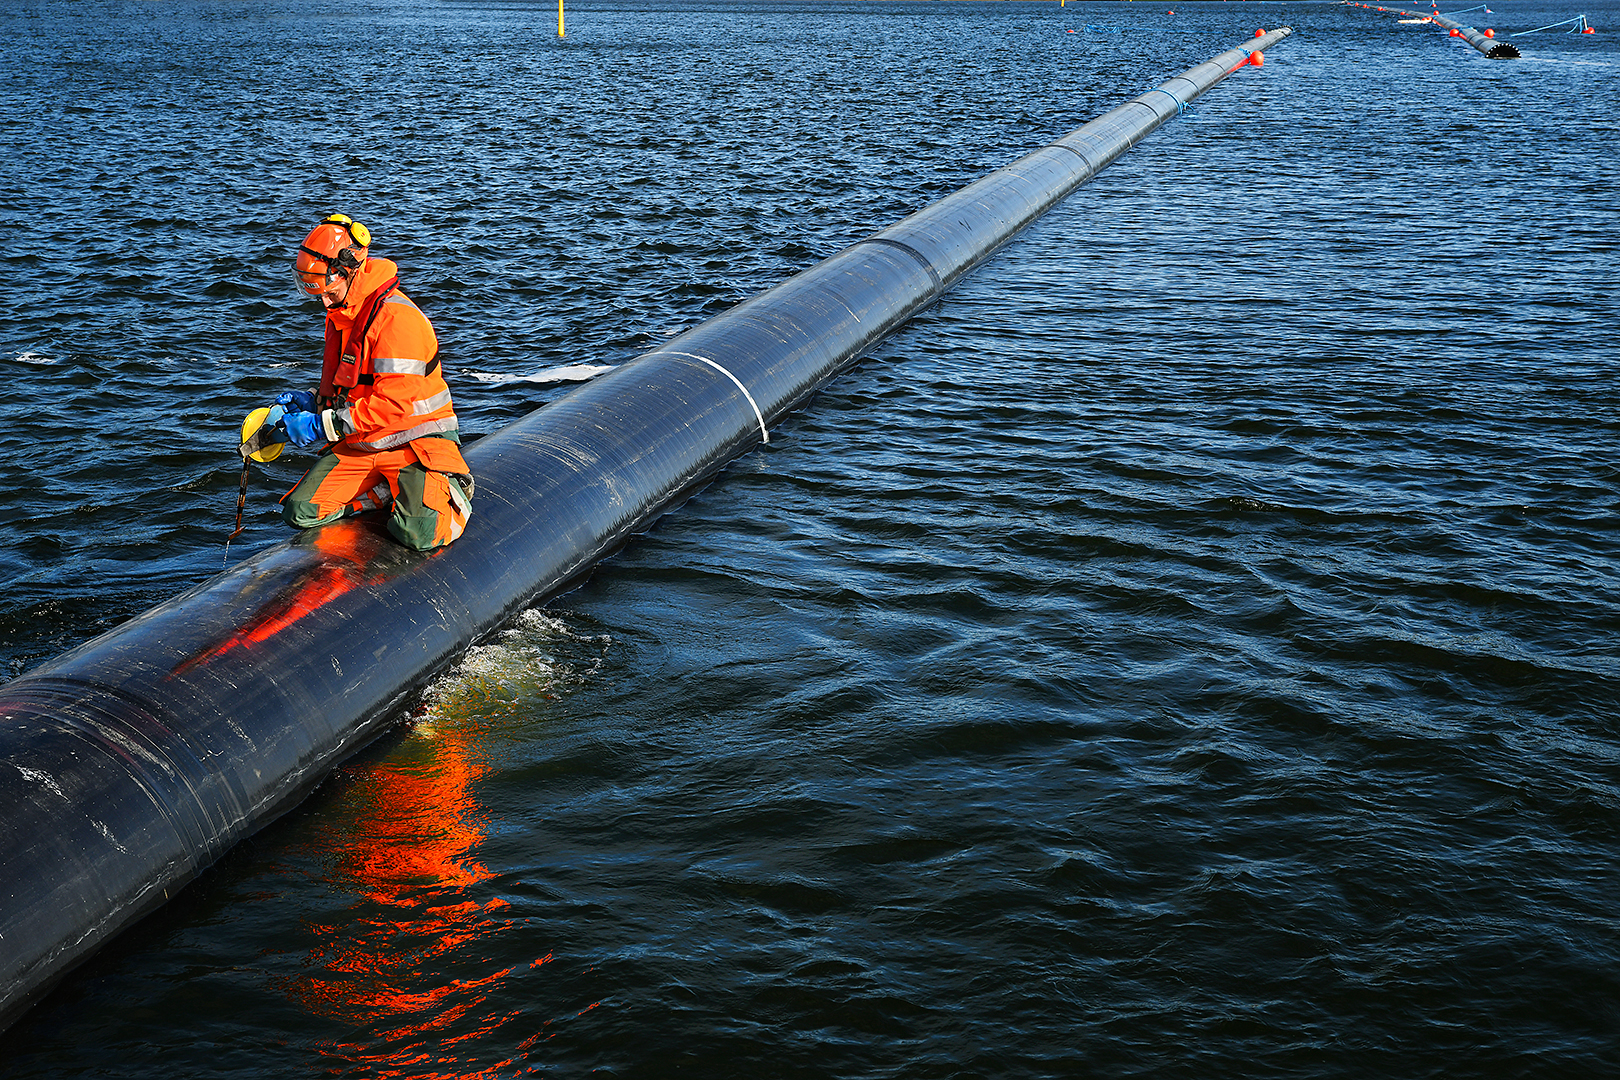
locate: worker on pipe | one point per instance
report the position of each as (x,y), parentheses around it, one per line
(383,410)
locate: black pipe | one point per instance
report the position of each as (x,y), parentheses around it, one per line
(137,759)
(1493,49)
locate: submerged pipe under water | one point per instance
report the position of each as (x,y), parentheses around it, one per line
(136,760)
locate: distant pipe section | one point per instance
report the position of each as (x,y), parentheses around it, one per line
(1495,50)
(133,762)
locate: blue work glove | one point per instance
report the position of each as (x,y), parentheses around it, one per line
(297,401)
(304,428)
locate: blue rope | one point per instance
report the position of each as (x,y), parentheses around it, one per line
(1579,19)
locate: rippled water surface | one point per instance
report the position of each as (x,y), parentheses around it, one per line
(1186,650)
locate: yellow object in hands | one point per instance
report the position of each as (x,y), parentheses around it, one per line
(256,438)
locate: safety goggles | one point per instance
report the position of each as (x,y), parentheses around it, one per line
(315,284)
(340,266)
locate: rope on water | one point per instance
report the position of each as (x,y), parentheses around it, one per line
(1577,26)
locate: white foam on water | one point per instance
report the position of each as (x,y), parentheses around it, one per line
(536,659)
(567,373)
(35,358)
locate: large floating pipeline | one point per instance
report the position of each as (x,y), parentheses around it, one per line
(136,760)
(1484,42)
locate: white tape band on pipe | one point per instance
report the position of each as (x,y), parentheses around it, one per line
(764,433)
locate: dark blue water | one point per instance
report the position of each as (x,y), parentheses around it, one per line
(1186,650)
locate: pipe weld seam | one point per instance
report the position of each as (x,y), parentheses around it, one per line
(922,260)
(160,768)
(1091,169)
(1181,106)
(764,432)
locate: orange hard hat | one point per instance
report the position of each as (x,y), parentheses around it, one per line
(335,248)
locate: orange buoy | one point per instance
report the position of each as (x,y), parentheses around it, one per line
(1456,32)
(1589,30)
(1489,32)
(1257,58)
(1260,32)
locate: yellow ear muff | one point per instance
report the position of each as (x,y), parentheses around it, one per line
(251,440)
(357,232)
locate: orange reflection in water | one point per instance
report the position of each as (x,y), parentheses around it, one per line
(398,970)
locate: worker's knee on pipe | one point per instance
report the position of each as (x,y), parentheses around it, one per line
(432,509)
(305,515)
(419,532)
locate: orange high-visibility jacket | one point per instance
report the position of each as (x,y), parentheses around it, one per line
(382,372)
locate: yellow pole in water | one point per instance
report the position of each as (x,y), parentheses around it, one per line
(559,18)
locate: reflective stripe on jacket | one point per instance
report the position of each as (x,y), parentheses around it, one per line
(399,392)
